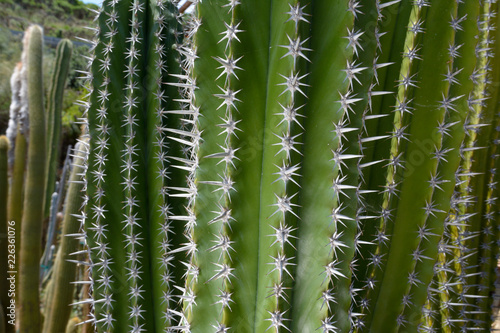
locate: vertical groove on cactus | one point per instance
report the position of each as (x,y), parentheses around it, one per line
(321,212)
(165,62)
(29,312)
(490,230)
(183,137)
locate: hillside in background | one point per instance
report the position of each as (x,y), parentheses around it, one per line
(60,19)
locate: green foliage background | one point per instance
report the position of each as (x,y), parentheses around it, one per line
(60,19)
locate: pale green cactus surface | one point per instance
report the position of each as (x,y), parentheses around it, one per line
(293,166)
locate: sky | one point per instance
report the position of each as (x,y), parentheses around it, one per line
(97,2)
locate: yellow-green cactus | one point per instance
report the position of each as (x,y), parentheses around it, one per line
(28,313)
(4,232)
(57,309)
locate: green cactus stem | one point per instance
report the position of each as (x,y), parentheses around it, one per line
(57,310)
(127,210)
(16,188)
(4,253)
(17,132)
(49,243)
(54,109)
(30,251)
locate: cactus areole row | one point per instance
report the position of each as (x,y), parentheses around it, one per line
(292,166)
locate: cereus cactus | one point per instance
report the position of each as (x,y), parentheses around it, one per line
(30,249)
(305,166)
(17,133)
(4,241)
(57,311)
(54,115)
(126,221)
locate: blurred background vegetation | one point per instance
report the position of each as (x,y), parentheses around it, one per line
(60,19)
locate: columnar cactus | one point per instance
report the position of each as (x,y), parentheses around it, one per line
(27,94)
(464,276)
(17,132)
(4,241)
(126,222)
(57,311)
(29,300)
(54,114)
(312,167)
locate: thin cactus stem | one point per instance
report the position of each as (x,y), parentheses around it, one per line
(18,132)
(5,255)
(185,6)
(54,115)
(16,188)
(57,310)
(54,216)
(29,310)
(47,253)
